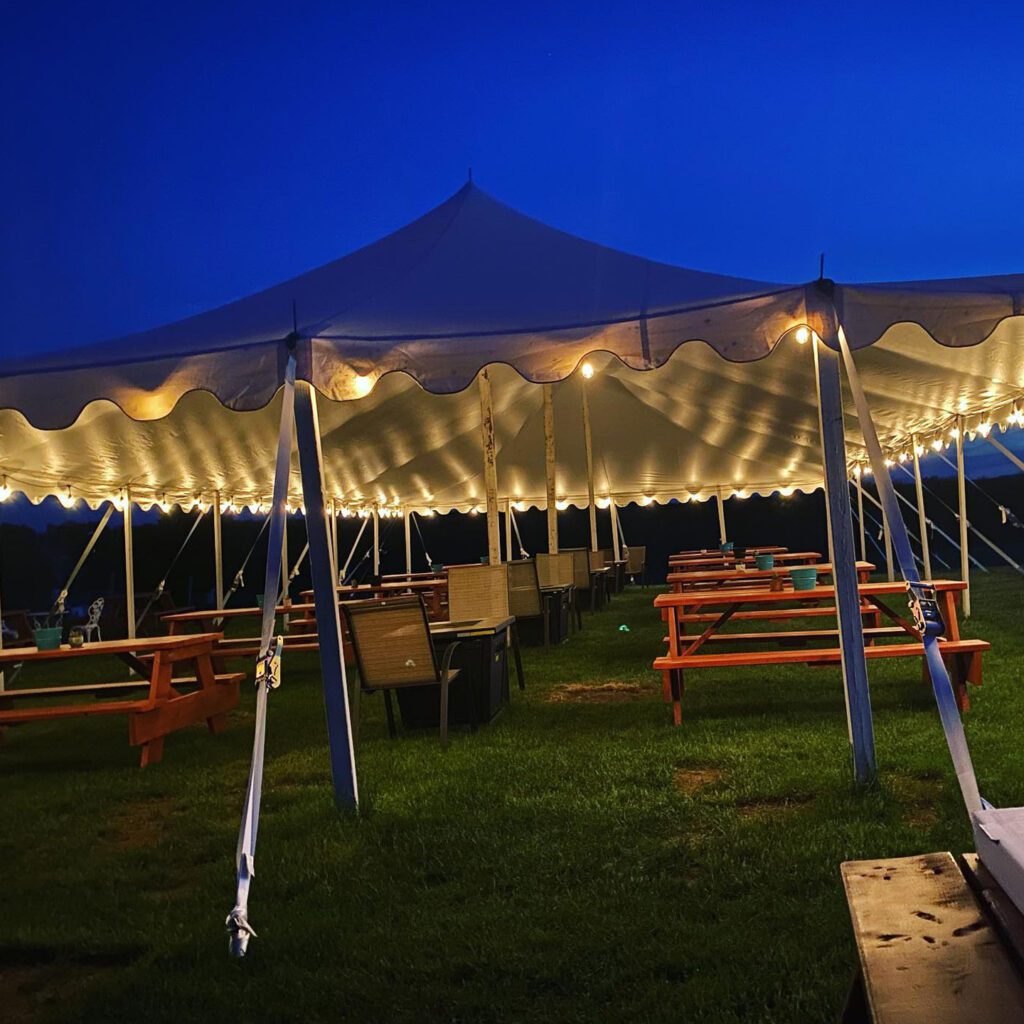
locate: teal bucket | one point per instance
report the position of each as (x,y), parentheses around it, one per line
(485,559)
(727,547)
(47,638)
(765,561)
(804,579)
(437,567)
(259,600)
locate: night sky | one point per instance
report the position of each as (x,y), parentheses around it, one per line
(163,159)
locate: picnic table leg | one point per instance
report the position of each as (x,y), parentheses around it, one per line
(206,676)
(948,598)
(159,692)
(675,681)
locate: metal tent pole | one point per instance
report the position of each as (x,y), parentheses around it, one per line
(999,446)
(961,494)
(922,518)
(348,561)
(843,559)
(218,555)
(129,564)
(722,536)
(589,451)
(490,468)
(860,518)
(549,469)
(407,525)
(332,661)
(285,575)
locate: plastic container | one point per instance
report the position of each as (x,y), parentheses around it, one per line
(765,561)
(47,638)
(804,579)
(437,567)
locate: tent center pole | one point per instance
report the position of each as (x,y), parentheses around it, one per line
(722,535)
(407,525)
(376,541)
(589,451)
(613,513)
(129,564)
(218,555)
(508,529)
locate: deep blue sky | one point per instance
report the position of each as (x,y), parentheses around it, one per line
(162,159)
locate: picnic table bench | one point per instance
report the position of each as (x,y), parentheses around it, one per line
(778,575)
(938,942)
(963,657)
(161,711)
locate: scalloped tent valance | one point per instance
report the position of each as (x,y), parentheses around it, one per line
(474,283)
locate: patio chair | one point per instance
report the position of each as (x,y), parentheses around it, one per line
(581,572)
(636,563)
(481,592)
(92,624)
(525,601)
(393,649)
(557,571)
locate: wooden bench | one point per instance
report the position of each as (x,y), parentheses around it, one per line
(962,658)
(164,708)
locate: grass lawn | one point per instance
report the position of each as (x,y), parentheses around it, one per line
(579,860)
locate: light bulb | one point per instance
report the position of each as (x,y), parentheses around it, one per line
(985,428)
(587,370)
(165,505)
(67,499)
(5,491)
(561,506)
(803,335)
(937,444)
(255,506)
(363,385)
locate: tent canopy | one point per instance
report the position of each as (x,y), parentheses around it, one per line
(183,410)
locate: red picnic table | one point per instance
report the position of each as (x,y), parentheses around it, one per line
(164,708)
(777,577)
(678,564)
(434,590)
(718,552)
(718,607)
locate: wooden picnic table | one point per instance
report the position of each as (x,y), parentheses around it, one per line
(434,590)
(709,552)
(779,576)
(165,707)
(939,942)
(677,564)
(718,607)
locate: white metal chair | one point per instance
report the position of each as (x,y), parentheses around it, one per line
(92,624)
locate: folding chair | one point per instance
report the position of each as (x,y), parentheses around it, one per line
(581,572)
(481,592)
(525,601)
(393,649)
(636,563)
(557,571)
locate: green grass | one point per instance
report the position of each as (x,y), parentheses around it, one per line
(576,861)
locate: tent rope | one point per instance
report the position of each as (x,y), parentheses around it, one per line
(239,580)
(519,539)
(162,585)
(57,611)
(419,533)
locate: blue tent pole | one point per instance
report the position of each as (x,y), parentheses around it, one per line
(843,557)
(325,598)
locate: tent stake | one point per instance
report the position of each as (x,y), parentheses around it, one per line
(332,661)
(490,468)
(589,451)
(961,494)
(922,518)
(218,555)
(129,564)
(844,573)
(549,469)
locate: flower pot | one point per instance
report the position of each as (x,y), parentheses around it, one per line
(804,579)
(47,638)
(765,561)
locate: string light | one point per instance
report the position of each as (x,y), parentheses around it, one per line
(68,500)
(803,335)
(985,428)
(255,507)
(363,385)
(788,491)
(561,506)
(164,504)
(5,491)
(587,370)
(937,444)
(519,506)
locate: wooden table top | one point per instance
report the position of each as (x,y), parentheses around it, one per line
(140,645)
(200,614)
(702,552)
(388,586)
(688,564)
(725,575)
(471,627)
(692,598)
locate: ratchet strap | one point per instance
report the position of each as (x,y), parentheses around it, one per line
(423,543)
(162,585)
(268,677)
(58,606)
(921,596)
(519,539)
(239,580)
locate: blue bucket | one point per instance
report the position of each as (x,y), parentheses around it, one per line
(47,638)
(804,579)
(765,561)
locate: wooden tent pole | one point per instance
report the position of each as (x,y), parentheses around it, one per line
(589,450)
(961,487)
(508,529)
(549,468)
(490,468)
(614,513)
(376,541)
(722,535)
(218,554)
(408,540)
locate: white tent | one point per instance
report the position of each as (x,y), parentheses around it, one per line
(393,335)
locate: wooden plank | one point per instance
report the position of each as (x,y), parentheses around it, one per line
(112,647)
(695,598)
(927,951)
